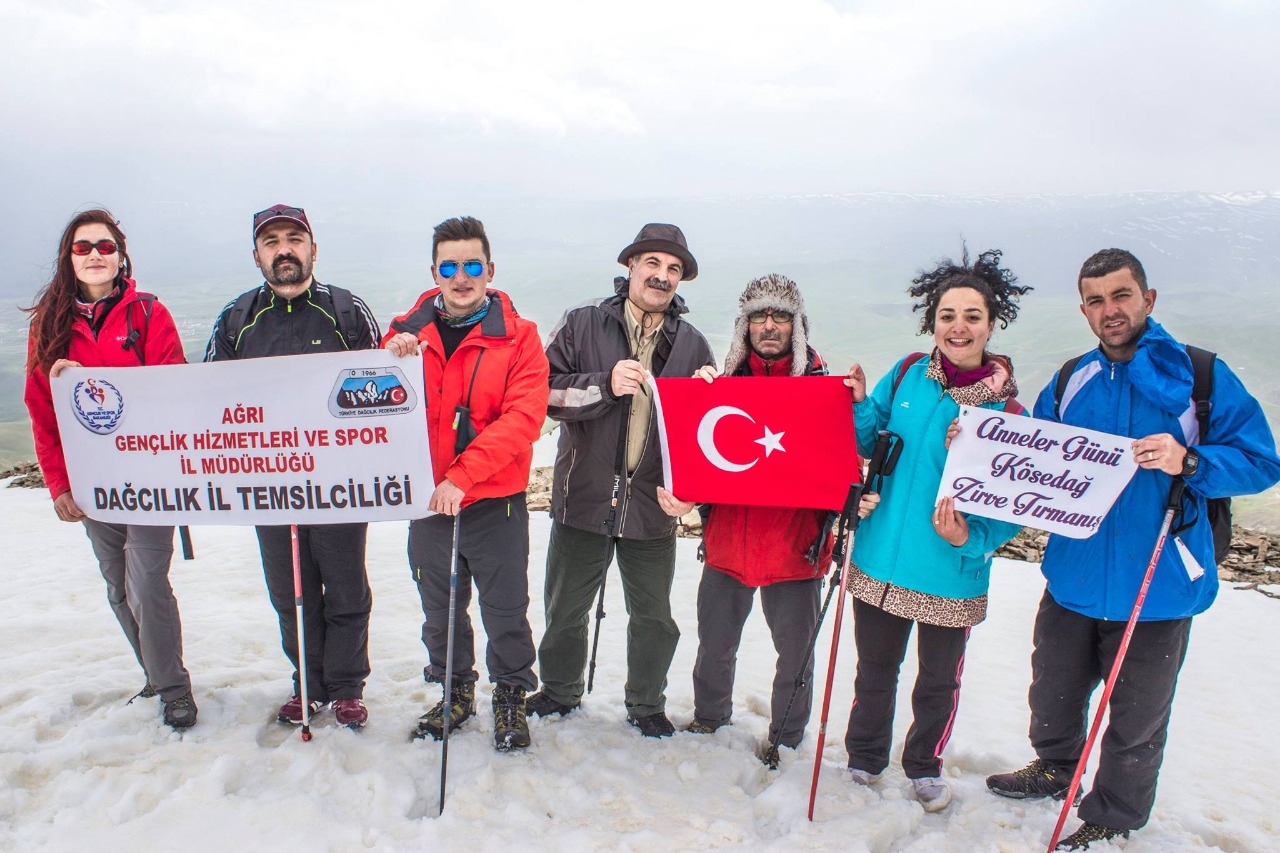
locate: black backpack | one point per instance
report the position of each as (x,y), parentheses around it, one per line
(1218,509)
(344,307)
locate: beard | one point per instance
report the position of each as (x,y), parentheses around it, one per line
(280,274)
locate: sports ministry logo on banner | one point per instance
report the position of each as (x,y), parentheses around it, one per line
(1042,474)
(98,405)
(371,391)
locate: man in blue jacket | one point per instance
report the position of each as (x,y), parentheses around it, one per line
(1137,383)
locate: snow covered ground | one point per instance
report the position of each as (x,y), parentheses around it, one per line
(80,769)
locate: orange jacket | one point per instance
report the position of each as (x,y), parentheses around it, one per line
(508,400)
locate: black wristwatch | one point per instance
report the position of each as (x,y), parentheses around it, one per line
(1190,463)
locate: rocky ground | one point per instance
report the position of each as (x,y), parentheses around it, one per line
(1254,559)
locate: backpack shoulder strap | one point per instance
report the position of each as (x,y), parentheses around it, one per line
(1202,385)
(344,307)
(902,371)
(1064,376)
(133,335)
(240,315)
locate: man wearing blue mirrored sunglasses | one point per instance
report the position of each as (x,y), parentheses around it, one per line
(486,381)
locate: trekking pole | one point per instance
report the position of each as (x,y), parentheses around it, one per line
(856,490)
(883,457)
(448,660)
(1171,509)
(302,634)
(464,432)
(610,525)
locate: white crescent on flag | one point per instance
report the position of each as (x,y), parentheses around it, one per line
(707,441)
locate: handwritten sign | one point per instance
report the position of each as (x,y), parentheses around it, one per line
(1058,478)
(313,439)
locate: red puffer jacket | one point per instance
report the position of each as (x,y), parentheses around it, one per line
(508,400)
(158,343)
(762,545)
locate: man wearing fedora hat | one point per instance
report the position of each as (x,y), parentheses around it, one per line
(607,473)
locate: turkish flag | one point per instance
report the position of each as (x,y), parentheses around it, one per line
(761,440)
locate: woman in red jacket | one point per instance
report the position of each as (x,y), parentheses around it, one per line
(91,315)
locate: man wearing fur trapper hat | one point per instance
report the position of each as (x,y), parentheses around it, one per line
(757,546)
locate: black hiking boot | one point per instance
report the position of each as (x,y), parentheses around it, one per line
(1089,833)
(181,713)
(1034,782)
(654,725)
(541,705)
(462,706)
(510,728)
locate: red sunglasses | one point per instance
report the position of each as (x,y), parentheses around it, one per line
(84,247)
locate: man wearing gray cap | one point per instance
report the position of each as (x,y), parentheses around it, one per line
(292,314)
(608,470)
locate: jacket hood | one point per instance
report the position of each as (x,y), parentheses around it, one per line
(1161,369)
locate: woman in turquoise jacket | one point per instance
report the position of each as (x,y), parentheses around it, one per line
(915,562)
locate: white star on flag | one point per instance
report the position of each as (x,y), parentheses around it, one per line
(772,441)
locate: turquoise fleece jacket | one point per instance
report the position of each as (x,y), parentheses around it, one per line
(896,543)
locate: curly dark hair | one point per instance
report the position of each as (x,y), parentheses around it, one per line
(54,311)
(999,287)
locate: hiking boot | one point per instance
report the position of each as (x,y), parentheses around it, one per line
(290,712)
(510,728)
(181,713)
(654,725)
(541,705)
(697,727)
(147,692)
(1089,833)
(770,756)
(462,707)
(933,792)
(350,713)
(1034,782)
(862,777)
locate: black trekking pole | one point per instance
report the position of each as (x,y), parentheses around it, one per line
(610,530)
(464,432)
(1172,507)
(883,459)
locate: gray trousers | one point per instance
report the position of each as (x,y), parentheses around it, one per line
(134,560)
(493,550)
(791,611)
(1073,655)
(576,564)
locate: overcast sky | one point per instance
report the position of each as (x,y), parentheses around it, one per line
(406,105)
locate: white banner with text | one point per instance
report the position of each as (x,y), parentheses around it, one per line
(310,439)
(1040,474)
